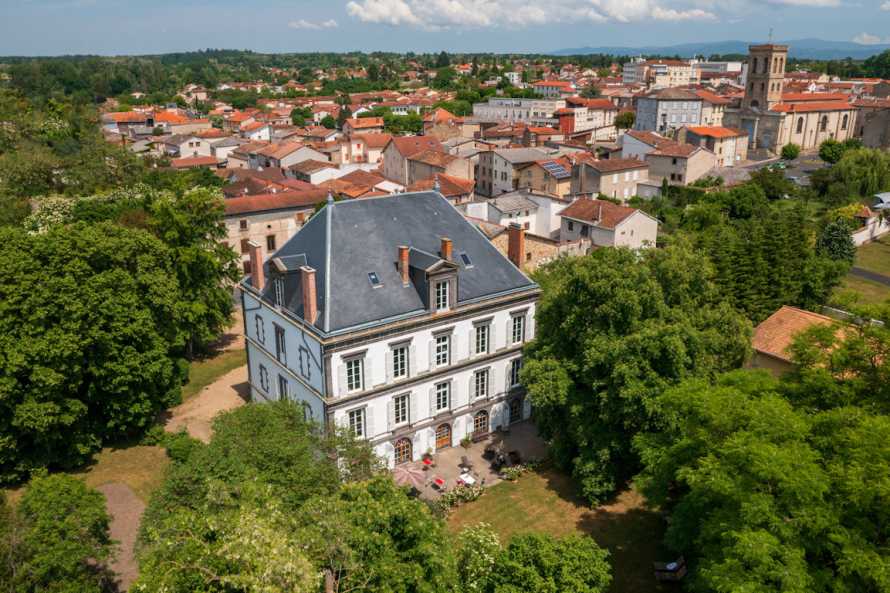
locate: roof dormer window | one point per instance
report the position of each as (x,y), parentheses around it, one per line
(442,294)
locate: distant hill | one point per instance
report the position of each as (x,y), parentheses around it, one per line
(818,49)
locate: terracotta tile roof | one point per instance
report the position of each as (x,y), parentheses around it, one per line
(211,133)
(776,333)
(811,106)
(715,131)
(169,117)
(239,117)
(195,161)
(591,103)
(675,149)
(411,145)
(449,186)
(126,117)
(279,151)
(613,165)
(374,140)
(542,130)
(872,103)
(599,213)
(253,126)
(801,97)
(311,166)
(557,83)
(672,94)
(712,98)
(439,115)
(650,138)
(360,177)
(360,123)
(434,158)
(278,201)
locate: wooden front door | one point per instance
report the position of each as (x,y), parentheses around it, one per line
(443,436)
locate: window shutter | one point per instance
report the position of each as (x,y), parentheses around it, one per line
(507,377)
(432,359)
(369,423)
(471,343)
(389,361)
(412,361)
(432,401)
(390,413)
(452,393)
(458,353)
(341,379)
(471,389)
(509,330)
(413,411)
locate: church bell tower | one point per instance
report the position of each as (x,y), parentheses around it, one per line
(766,75)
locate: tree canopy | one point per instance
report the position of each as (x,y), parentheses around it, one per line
(614,329)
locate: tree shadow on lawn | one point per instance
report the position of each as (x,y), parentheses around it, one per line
(631,531)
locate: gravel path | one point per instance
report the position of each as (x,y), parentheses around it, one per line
(126,511)
(196,415)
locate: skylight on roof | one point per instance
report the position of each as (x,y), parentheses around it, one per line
(466,259)
(374,279)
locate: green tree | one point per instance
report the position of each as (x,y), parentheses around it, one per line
(790,151)
(773,183)
(88,328)
(191,225)
(59,538)
(835,242)
(831,151)
(329,122)
(370,536)
(538,563)
(614,330)
(625,120)
(765,496)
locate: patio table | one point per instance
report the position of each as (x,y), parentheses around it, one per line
(467,479)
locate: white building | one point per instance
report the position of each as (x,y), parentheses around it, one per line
(608,225)
(534,111)
(394,317)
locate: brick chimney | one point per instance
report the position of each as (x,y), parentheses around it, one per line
(310,298)
(403,264)
(445,250)
(516,244)
(257,277)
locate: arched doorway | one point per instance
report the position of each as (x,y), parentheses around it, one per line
(515,410)
(480,423)
(443,436)
(403,451)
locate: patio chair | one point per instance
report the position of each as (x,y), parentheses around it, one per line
(465,463)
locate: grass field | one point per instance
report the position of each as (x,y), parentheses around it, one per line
(875,256)
(139,467)
(205,371)
(545,502)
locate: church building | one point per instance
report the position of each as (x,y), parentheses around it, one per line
(773,118)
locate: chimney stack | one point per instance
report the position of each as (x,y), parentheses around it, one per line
(516,244)
(445,250)
(310,298)
(403,264)
(257,278)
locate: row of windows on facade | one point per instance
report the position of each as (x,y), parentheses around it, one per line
(403,448)
(400,354)
(283,389)
(270,244)
(823,123)
(401,412)
(355,367)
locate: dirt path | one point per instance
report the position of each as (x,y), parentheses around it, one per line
(196,415)
(126,511)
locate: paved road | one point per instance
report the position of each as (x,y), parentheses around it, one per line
(869,275)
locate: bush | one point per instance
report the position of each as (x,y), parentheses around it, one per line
(61,538)
(459,495)
(790,151)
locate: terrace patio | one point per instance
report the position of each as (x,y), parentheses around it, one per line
(446,464)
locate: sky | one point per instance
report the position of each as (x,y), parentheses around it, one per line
(113,27)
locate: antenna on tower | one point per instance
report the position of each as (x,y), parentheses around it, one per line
(770,34)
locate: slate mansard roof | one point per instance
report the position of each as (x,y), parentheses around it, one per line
(348,240)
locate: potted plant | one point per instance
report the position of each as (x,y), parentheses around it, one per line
(466,442)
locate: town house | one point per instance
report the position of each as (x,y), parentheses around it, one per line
(393,317)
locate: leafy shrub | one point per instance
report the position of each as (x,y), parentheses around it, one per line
(790,151)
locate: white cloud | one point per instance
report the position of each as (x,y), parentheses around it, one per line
(304,24)
(814,3)
(886,5)
(445,14)
(869,39)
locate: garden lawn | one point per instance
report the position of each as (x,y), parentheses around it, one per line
(870,293)
(545,501)
(205,371)
(875,256)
